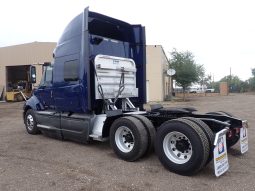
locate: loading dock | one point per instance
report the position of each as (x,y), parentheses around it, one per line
(17,81)
(16,74)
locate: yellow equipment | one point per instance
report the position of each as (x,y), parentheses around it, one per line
(22,92)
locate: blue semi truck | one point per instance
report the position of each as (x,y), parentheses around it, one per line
(95,89)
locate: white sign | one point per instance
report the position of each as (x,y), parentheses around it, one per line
(171,72)
(220,156)
(244,139)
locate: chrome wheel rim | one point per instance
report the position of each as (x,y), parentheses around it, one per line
(124,139)
(177,147)
(30,122)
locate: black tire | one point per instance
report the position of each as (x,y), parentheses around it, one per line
(31,123)
(19,97)
(208,132)
(230,142)
(197,144)
(151,131)
(138,133)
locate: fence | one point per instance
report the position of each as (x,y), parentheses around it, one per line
(178,94)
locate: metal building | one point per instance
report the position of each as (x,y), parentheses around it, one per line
(16,60)
(157,81)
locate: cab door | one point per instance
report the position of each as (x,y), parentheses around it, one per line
(45,89)
(47,118)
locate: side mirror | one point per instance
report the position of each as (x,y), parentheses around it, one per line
(32,74)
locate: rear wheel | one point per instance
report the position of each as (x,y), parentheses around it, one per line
(30,122)
(150,131)
(208,132)
(128,138)
(182,146)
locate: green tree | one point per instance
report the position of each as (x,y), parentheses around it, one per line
(207,80)
(245,86)
(251,81)
(187,71)
(215,86)
(235,83)
(253,72)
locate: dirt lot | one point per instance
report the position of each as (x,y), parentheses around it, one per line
(40,163)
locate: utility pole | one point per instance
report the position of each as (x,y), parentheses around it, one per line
(230,80)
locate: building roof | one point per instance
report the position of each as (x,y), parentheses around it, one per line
(27,44)
(161,49)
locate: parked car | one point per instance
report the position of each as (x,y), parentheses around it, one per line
(210,90)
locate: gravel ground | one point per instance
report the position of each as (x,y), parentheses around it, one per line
(41,163)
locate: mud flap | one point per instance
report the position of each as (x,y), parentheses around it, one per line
(244,138)
(220,156)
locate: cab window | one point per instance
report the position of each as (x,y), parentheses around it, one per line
(47,76)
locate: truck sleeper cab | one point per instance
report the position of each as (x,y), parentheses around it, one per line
(96,87)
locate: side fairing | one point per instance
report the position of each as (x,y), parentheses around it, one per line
(140,60)
(72,96)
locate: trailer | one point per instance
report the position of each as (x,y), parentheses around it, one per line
(95,90)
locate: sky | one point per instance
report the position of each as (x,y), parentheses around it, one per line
(220,33)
